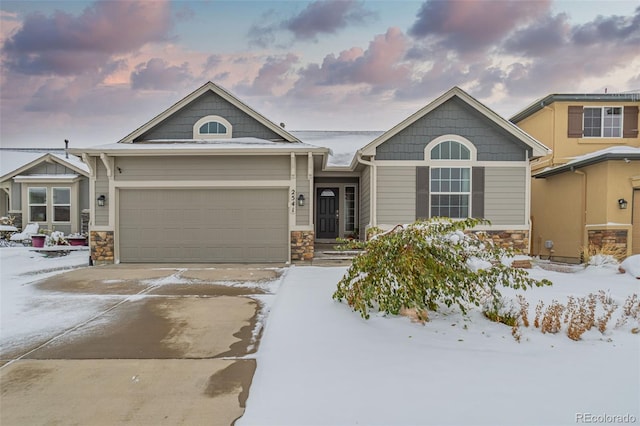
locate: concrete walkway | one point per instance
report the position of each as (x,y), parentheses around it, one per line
(172,350)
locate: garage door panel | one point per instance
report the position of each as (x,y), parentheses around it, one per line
(203,225)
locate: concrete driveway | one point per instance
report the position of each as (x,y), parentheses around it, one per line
(172,349)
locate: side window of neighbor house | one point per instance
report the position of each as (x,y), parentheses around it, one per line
(61,204)
(602,122)
(37,204)
(450,187)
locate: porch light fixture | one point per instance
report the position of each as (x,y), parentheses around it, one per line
(101,200)
(622,203)
(301,200)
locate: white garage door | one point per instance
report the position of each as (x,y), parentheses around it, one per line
(203,225)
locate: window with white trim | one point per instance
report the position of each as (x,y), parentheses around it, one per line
(212,127)
(450,192)
(61,204)
(37,204)
(602,122)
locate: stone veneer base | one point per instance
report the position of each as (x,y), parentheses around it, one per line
(302,245)
(102,247)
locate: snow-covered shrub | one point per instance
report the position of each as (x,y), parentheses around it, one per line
(502,310)
(428,263)
(607,254)
(56,238)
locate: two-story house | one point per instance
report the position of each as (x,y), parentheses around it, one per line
(587,191)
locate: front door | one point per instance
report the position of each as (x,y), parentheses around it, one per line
(327,218)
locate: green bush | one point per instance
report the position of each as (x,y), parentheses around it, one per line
(428,263)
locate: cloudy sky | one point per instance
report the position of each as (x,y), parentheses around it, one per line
(93,71)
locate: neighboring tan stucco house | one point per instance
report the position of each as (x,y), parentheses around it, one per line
(212,180)
(587,191)
(50,188)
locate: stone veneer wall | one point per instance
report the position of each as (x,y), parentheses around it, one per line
(302,245)
(616,237)
(102,244)
(516,240)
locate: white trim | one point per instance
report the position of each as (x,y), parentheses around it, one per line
(473,152)
(210,118)
(203,184)
(51,179)
(107,164)
(449,163)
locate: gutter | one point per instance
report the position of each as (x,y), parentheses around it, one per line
(373,197)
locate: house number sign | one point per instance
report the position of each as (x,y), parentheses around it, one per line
(292,201)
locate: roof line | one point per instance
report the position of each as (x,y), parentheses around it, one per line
(196,94)
(605,156)
(538,104)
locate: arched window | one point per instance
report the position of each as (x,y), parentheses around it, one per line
(450,150)
(212,127)
(450,158)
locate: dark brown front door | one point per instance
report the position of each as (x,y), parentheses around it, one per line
(327,216)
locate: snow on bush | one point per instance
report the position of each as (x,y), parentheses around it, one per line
(427,263)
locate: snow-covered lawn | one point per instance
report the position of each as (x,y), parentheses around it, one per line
(30,315)
(319,363)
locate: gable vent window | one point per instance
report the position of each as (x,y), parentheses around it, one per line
(212,127)
(450,150)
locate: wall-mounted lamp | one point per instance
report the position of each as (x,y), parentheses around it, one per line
(301,200)
(101,200)
(622,203)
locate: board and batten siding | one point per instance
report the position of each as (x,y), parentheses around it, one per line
(396,198)
(180,124)
(275,167)
(102,188)
(505,195)
(302,187)
(365,200)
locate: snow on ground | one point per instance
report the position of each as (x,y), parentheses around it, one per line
(28,314)
(319,363)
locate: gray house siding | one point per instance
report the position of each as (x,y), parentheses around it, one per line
(453,117)
(276,167)
(83,196)
(180,124)
(16,196)
(302,187)
(365,200)
(102,188)
(396,202)
(505,195)
(50,169)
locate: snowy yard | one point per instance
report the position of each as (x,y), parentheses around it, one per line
(319,363)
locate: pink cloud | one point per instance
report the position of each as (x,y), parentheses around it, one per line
(65,44)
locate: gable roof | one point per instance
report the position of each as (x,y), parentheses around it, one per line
(538,148)
(624,153)
(537,105)
(14,162)
(209,86)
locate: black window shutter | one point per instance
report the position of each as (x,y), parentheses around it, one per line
(477,192)
(574,129)
(630,120)
(422,192)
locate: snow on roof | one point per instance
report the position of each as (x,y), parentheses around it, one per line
(611,153)
(200,144)
(11,160)
(46,176)
(343,144)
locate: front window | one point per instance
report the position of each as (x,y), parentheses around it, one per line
(450,150)
(450,191)
(61,204)
(37,204)
(602,122)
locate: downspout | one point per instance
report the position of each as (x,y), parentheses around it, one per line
(373,197)
(583,231)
